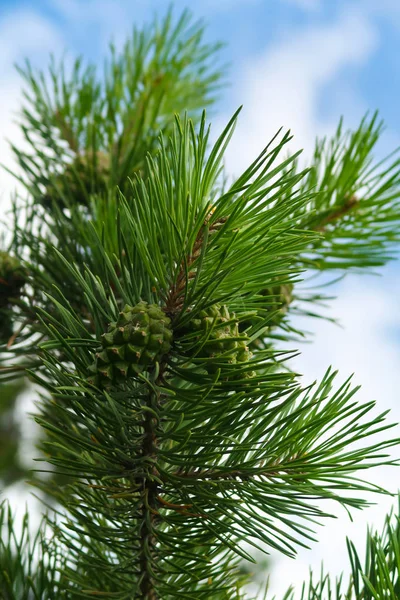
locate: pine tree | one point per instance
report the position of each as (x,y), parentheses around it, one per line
(11,466)
(151,301)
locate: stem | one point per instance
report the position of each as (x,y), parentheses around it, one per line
(66,132)
(149,450)
(350,203)
(175,299)
(273,470)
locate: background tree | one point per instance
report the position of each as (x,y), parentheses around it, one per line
(147,301)
(11,280)
(11,468)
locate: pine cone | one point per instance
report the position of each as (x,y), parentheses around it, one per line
(140,337)
(218,338)
(84,176)
(281,297)
(278,300)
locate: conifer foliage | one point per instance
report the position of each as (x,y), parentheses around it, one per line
(152,297)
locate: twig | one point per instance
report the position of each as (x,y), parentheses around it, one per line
(174,299)
(349,204)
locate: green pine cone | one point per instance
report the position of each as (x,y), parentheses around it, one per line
(218,339)
(84,176)
(140,337)
(277,301)
(281,296)
(12,278)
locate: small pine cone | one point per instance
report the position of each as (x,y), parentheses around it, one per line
(84,176)
(279,299)
(139,338)
(219,339)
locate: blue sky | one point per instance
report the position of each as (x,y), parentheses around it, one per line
(300,64)
(296,63)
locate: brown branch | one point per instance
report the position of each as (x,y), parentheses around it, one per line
(350,203)
(172,505)
(149,507)
(66,131)
(175,299)
(16,334)
(209,474)
(180,508)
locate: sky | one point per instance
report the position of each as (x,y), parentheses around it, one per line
(300,64)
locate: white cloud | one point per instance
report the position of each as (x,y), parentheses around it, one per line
(104,20)
(107,12)
(367,346)
(389,9)
(23,34)
(308,5)
(282,87)
(225,5)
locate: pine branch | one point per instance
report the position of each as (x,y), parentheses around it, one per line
(353,204)
(89,133)
(378,578)
(147,315)
(11,468)
(131,438)
(349,204)
(354,200)
(30,565)
(150,501)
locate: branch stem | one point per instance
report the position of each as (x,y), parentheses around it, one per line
(149,491)
(340,212)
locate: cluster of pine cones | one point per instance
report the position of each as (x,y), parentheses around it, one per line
(143,335)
